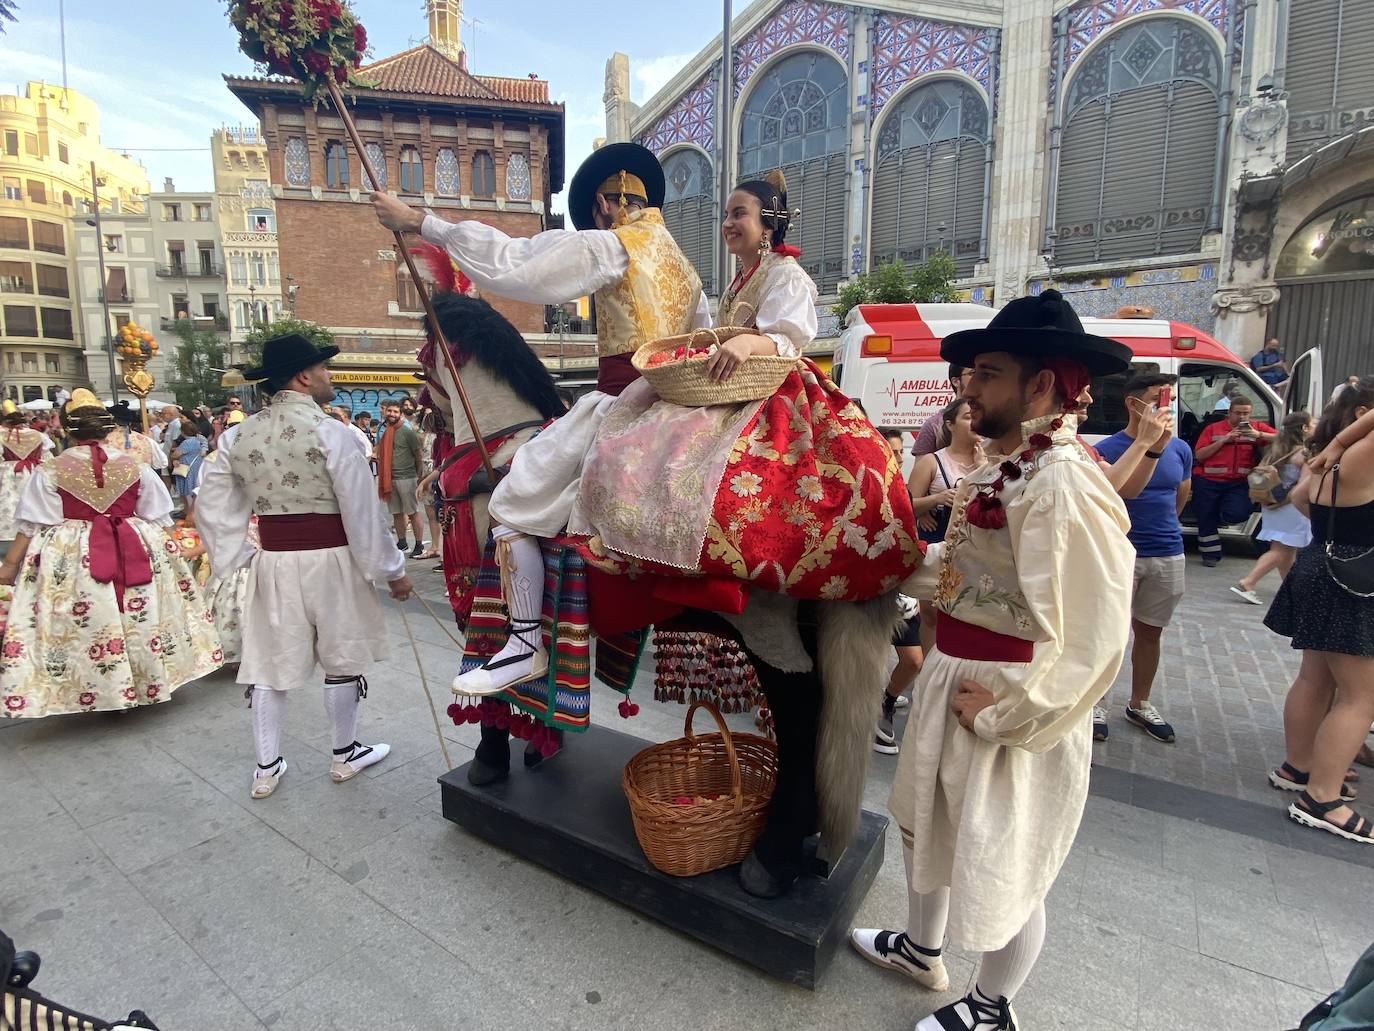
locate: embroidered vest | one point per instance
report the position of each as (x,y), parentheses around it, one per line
(20,442)
(276,459)
(73,473)
(742,309)
(658,295)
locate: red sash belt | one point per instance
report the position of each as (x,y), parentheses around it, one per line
(615,373)
(23,465)
(965,641)
(117,555)
(308,531)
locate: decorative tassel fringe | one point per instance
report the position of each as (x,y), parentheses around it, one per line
(504,716)
(691,667)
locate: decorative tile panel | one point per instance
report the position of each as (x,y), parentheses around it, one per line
(446,178)
(297,157)
(1090,19)
(904,48)
(517,177)
(691,120)
(378,159)
(1183,294)
(796,21)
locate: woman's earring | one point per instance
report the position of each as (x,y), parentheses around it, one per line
(763,246)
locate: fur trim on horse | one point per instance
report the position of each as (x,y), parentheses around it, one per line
(476,331)
(853,645)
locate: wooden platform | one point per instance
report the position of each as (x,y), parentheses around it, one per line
(570,816)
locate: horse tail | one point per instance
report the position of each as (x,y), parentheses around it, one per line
(854,642)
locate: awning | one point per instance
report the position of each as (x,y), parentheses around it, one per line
(1263,190)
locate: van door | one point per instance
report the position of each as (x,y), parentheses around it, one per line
(1306,391)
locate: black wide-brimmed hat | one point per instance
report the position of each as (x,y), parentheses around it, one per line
(630,158)
(124,414)
(1038,327)
(287,355)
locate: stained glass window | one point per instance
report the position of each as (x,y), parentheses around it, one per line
(446,178)
(377,157)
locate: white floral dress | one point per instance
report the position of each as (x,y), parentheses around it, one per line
(992,813)
(21,451)
(106,613)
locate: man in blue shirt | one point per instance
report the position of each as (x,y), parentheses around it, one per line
(1158,541)
(1269,363)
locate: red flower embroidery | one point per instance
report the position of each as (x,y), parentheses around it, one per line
(87,698)
(217,655)
(13,649)
(155,645)
(130,694)
(81,608)
(96,652)
(15,702)
(136,604)
(154,690)
(116,646)
(183,586)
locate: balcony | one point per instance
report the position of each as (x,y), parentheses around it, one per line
(250,239)
(180,271)
(219,322)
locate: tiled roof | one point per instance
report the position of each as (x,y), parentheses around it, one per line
(527,91)
(424,70)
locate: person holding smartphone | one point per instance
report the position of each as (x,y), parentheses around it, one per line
(1224,455)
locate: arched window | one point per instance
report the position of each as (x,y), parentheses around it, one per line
(336,165)
(446,178)
(483,175)
(929,176)
(1138,158)
(377,157)
(66,198)
(1328,72)
(689,210)
(412,171)
(517,177)
(796,117)
(297,160)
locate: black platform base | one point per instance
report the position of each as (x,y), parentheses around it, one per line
(570,816)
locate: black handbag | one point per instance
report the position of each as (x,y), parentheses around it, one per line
(1353,574)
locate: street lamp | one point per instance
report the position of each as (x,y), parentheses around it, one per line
(97,182)
(252,307)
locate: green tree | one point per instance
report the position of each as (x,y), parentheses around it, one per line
(933,281)
(264,331)
(893,283)
(197,366)
(850,296)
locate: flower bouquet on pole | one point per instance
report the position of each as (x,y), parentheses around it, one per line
(322,44)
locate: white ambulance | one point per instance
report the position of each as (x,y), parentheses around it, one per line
(888,358)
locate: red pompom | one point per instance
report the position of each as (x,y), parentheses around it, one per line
(454,711)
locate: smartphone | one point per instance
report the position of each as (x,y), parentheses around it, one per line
(1165,399)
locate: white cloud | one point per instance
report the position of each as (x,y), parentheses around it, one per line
(649,76)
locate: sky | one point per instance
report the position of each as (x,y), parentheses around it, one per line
(156,74)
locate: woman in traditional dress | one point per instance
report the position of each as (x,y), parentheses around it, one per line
(106,613)
(123,437)
(23,450)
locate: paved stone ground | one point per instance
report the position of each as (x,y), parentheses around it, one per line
(135,862)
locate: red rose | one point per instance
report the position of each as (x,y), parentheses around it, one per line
(81,608)
(130,694)
(87,698)
(13,649)
(15,702)
(135,604)
(155,645)
(316,62)
(96,652)
(341,74)
(116,646)
(986,512)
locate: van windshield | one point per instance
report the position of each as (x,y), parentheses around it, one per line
(1204,396)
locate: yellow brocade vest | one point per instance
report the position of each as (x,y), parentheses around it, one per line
(658,296)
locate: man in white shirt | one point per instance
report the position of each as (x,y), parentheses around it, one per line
(323,538)
(645,289)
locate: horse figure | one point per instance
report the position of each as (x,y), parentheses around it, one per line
(819,664)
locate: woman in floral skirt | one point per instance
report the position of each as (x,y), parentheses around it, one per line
(106,614)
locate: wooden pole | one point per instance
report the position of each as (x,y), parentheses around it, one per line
(337,97)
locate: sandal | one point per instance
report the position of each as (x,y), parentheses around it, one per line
(1311,813)
(1289,778)
(265,783)
(431,553)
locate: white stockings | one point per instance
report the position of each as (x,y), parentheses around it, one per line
(525,576)
(269,713)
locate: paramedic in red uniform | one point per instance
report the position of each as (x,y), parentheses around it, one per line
(1223,457)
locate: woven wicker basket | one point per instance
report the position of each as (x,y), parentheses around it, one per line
(686,840)
(686,383)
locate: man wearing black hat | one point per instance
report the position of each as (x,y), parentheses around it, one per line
(323,537)
(645,289)
(1033,608)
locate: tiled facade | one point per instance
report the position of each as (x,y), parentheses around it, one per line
(906,48)
(796,21)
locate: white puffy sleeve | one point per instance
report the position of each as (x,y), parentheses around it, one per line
(701,318)
(551,267)
(787,310)
(46,443)
(39,505)
(370,536)
(154,503)
(1075,567)
(224,512)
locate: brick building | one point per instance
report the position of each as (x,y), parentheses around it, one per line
(441,137)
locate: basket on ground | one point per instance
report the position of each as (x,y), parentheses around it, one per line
(700,802)
(686,383)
